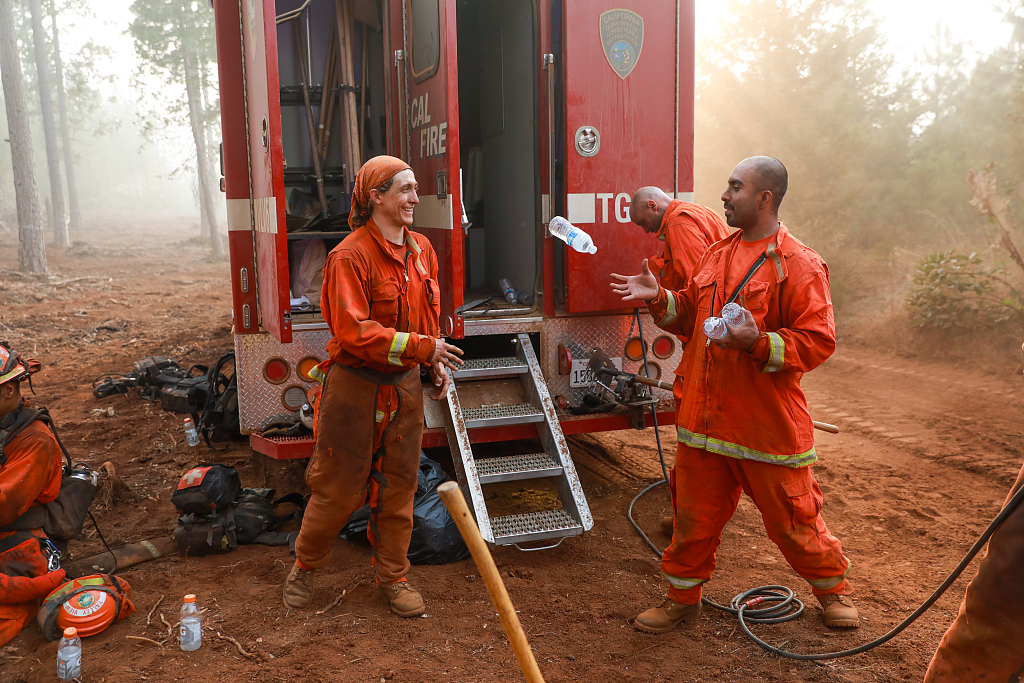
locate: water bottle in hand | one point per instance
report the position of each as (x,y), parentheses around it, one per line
(190,432)
(507,290)
(714,327)
(190,636)
(69,655)
(732,314)
(571,235)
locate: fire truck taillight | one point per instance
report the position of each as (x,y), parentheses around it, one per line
(277,371)
(664,346)
(293,398)
(305,366)
(634,349)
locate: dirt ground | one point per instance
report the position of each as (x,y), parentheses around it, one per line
(926,454)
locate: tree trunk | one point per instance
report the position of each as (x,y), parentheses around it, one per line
(60,223)
(65,129)
(31,248)
(195,115)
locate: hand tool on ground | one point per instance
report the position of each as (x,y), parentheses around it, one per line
(122,557)
(313,141)
(453,499)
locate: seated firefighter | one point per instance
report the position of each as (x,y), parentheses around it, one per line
(30,476)
(381,301)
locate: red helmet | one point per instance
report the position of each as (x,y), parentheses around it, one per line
(12,366)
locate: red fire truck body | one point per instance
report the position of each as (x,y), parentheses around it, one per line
(509,113)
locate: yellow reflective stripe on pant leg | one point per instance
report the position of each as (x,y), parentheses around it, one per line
(831,581)
(680,583)
(398,345)
(671,312)
(379,415)
(776,353)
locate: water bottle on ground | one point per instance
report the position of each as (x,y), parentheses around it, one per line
(69,655)
(714,328)
(507,290)
(732,314)
(191,634)
(571,235)
(190,432)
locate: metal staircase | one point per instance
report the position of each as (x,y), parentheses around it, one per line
(574,517)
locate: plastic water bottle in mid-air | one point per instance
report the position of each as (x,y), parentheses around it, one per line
(190,432)
(571,235)
(69,655)
(507,290)
(191,634)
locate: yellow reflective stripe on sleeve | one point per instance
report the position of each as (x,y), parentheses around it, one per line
(776,353)
(670,310)
(317,375)
(398,345)
(681,583)
(734,450)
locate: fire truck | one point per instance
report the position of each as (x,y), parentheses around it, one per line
(509,113)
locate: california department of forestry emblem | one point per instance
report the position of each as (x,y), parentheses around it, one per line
(622,37)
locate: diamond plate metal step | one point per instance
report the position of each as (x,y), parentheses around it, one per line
(534,526)
(491,367)
(502,414)
(513,467)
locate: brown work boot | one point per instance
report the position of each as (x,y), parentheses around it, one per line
(298,588)
(839,612)
(404,599)
(667,617)
(668,525)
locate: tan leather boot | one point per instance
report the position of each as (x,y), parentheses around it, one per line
(838,611)
(404,599)
(298,588)
(668,525)
(667,617)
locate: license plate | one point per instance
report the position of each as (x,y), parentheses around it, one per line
(582,377)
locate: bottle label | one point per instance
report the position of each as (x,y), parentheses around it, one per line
(573,234)
(69,666)
(190,632)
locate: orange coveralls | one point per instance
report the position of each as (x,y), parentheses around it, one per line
(687,229)
(382,304)
(31,477)
(985,643)
(743,422)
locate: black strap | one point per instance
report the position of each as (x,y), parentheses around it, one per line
(746,278)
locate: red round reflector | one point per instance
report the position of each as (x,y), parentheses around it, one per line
(276,370)
(664,346)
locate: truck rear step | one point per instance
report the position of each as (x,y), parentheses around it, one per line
(555,462)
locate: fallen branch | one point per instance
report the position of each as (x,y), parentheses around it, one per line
(169,627)
(241,650)
(78,279)
(150,615)
(339,598)
(148,640)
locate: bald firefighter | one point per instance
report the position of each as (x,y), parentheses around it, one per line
(381,301)
(743,424)
(30,476)
(687,229)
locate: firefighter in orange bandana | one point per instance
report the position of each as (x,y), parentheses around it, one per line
(743,424)
(381,301)
(30,475)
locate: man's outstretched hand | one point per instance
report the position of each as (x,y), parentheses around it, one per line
(642,287)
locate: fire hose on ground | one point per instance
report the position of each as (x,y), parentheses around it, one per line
(782,604)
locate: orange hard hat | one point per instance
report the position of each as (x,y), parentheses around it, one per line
(90,612)
(13,366)
(88,604)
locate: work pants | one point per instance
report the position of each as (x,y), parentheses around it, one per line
(367,450)
(986,640)
(705,492)
(24,580)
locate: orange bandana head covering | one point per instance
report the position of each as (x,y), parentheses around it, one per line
(372,175)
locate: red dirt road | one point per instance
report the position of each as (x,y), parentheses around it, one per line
(925,457)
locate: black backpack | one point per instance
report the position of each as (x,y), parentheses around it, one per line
(220,420)
(206,489)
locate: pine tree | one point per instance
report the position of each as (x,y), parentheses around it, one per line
(60,236)
(65,129)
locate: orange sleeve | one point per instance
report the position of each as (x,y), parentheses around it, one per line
(348,316)
(809,335)
(685,243)
(675,312)
(32,473)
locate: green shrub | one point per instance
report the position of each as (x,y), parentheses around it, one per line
(956,291)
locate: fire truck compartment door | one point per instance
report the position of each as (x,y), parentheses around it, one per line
(425,82)
(263,105)
(619,69)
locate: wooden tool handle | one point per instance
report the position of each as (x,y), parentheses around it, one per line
(661,384)
(826,427)
(456,504)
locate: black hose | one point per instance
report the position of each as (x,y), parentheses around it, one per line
(776,613)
